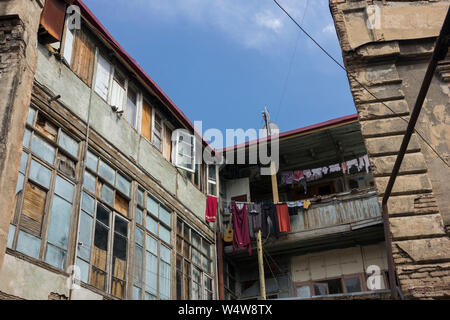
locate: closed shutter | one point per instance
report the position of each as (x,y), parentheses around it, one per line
(117,94)
(68,45)
(102,77)
(33,209)
(146,126)
(83,57)
(167,144)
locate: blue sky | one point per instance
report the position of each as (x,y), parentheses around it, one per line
(223,61)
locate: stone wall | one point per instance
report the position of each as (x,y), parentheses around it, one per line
(19,21)
(386,46)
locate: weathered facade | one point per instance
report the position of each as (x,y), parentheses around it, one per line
(91,180)
(334,245)
(386,47)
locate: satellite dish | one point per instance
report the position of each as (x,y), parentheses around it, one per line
(272,127)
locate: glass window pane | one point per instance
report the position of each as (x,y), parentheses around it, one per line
(106,172)
(196,257)
(64,188)
(121,226)
(26,138)
(108,195)
(85,236)
(123,185)
(303,292)
(23,162)
(138,256)
(141,197)
(102,214)
(164,216)
(152,245)
(31,115)
(91,161)
(89,182)
(353,285)
(137,293)
(40,174)
(164,234)
(69,144)
(139,215)
(206,264)
(20,180)
(151,224)
(165,254)
(149,296)
(11,233)
(43,149)
(88,203)
(164,281)
(28,244)
(152,206)
(151,273)
(195,239)
(320,289)
(59,222)
(206,248)
(55,256)
(84,270)
(139,238)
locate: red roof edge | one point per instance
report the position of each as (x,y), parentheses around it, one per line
(321,125)
(89,15)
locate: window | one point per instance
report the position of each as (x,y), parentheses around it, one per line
(117,91)
(194,265)
(44,192)
(212,180)
(167,150)
(130,110)
(102,77)
(152,253)
(229,278)
(157,131)
(184,150)
(104,223)
(79,54)
(146,125)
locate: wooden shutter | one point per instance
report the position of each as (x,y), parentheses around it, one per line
(83,57)
(33,209)
(167,144)
(146,127)
(52,21)
(102,77)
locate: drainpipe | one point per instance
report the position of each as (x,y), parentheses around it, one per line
(440,51)
(88,128)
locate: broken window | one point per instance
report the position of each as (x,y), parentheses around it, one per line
(194,265)
(44,196)
(157,131)
(152,276)
(52,21)
(184,150)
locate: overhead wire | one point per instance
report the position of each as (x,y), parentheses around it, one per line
(359,83)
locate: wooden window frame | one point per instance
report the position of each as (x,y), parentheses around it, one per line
(50,190)
(154,114)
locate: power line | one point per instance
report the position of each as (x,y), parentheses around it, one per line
(356,80)
(280,104)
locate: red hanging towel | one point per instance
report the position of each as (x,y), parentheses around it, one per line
(211,208)
(284,221)
(241,237)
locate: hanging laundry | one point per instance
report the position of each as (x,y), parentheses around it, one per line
(364,163)
(351,163)
(287,177)
(254,219)
(306,204)
(241,237)
(211,208)
(335,168)
(303,184)
(284,221)
(298,175)
(300,204)
(316,174)
(325,170)
(344,167)
(292,207)
(308,174)
(269,212)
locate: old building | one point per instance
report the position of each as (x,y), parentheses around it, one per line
(333,242)
(387,46)
(100,187)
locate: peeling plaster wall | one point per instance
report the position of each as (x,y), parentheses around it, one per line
(389,57)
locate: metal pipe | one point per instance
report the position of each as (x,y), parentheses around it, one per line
(440,51)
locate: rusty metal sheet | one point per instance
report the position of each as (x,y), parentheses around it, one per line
(52,18)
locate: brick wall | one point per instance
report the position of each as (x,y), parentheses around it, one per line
(384,60)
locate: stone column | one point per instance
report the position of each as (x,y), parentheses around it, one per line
(19,23)
(385,47)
